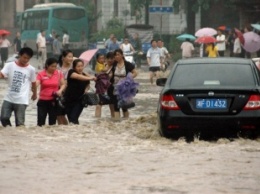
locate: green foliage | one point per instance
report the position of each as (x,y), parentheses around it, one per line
(114,23)
(113,26)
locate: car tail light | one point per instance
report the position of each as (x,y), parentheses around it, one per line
(168,102)
(253,103)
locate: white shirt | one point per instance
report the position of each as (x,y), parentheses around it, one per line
(187,49)
(237,46)
(154,54)
(5,43)
(221,45)
(126,48)
(41,41)
(19,82)
(65,39)
(164,52)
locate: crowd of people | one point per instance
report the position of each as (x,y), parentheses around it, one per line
(63,77)
(228,43)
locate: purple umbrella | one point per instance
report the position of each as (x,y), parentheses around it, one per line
(126,88)
(252,42)
(206,32)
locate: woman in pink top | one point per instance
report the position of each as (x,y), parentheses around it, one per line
(51,82)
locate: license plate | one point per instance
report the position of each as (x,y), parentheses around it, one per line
(211,103)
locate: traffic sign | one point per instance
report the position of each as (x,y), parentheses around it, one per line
(159,9)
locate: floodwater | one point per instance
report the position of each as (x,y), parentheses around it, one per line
(127,157)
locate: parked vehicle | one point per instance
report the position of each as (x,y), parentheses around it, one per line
(210,97)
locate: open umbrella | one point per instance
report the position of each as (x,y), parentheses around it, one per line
(240,35)
(206,32)
(4,32)
(88,55)
(183,37)
(223,28)
(206,39)
(252,42)
(256,26)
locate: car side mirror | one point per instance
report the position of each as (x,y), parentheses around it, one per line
(161,81)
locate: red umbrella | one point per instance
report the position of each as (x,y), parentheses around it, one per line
(223,28)
(4,32)
(206,39)
(88,55)
(240,35)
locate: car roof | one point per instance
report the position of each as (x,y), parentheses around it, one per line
(206,60)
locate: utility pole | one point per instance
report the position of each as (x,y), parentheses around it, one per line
(161,22)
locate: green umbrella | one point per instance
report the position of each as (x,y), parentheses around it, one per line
(184,37)
(256,26)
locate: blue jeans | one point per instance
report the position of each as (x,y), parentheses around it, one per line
(73,111)
(19,113)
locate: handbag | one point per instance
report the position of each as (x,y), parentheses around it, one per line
(126,105)
(90,98)
(104,99)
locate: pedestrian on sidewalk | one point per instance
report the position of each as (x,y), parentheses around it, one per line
(4,49)
(56,47)
(65,40)
(17,43)
(41,42)
(187,49)
(21,79)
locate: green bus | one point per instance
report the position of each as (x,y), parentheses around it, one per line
(55,18)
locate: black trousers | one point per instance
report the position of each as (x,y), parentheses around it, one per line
(44,108)
(4,54)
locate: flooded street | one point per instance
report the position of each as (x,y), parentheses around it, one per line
(126,157)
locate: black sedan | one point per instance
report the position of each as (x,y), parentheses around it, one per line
(210,97)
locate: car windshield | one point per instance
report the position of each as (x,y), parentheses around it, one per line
(205,75)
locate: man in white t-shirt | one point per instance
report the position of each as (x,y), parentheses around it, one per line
(165,54)
(41,42)
(221,43)
(65,40)
(154,60)
(21,80)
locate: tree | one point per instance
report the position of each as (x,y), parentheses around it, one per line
(193,6)
(137,6)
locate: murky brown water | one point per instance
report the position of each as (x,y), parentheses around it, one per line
(126,157)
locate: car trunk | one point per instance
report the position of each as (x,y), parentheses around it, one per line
(211,102)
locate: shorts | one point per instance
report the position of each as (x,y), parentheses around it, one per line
(154,69)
